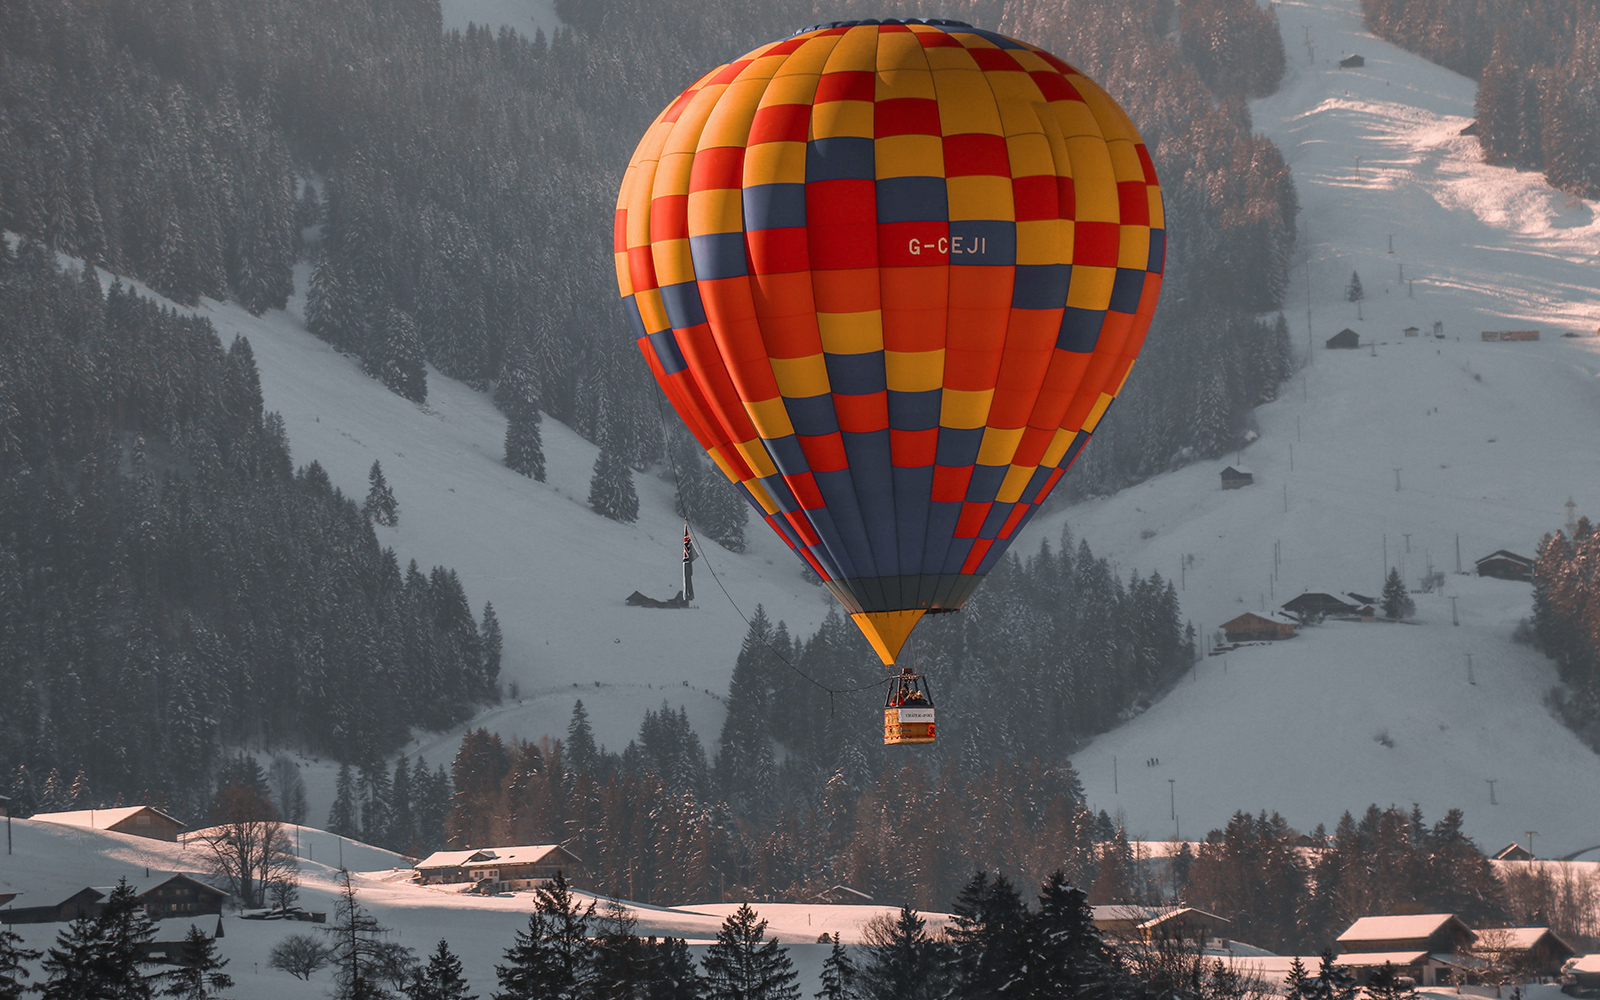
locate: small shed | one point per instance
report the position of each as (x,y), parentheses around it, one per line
(1513,852)
(86,902)
(842,895)
(1504,565)
(1345,340)
(140,821)
(1251,627)
(1352,62)
(1582,973)
(1235,477)
(1412,331)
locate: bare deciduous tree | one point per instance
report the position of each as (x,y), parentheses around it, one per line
(249,848)
(299,955)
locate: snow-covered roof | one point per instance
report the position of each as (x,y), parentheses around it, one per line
(529,855)
(1584,963)
(1515,938)
(1241,470)
(97,819)
(1365,959)
(1407,927)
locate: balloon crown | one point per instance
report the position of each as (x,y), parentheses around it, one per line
(943,22)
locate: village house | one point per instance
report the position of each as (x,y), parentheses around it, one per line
(1513,852)
(1315,604)
(1345,340)
(1127,922)
(182,896)
(1412,331)
(1504,565)
(500,869)
(1426,947)
(140,821)
(1531,952)
(1251,627)
(86,902)
(1234,477)
(1582,975)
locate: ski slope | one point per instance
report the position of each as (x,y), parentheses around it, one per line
(1490,440)
(51,862)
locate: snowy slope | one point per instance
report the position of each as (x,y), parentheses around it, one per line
(1490,439)
(51,862)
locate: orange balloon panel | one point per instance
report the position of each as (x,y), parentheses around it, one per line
(892,274)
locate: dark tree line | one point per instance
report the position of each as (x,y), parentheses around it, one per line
(169,583)
(1566,622)
(464,185)
(1537,63)
(1053,649)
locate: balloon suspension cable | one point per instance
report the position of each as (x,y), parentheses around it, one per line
(694,537)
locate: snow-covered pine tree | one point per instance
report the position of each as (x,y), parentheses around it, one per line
(611,492)
(199,975)
(442,978)
(1352,291)
(1397,602)
(581,753)
(402,368)
(745,767)
(902,961)
(525,444)
(744,964)
(14,961)
(491,645)
(381,505)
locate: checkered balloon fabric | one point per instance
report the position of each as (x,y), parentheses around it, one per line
(892,274)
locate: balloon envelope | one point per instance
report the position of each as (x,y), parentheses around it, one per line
(891,275)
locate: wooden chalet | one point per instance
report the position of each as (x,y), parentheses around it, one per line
(500,869)
(1345,340)
(1534,952)
(1235,477)
(1251,627)
(1421,967)
(1505,565)
(140,821)
(1352,62)
(1315,604)
(182,896)
(1513,852)
(1412,331)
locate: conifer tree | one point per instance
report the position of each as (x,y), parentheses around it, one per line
(200,975)
(441,979)
(517,395)
(1297,985)
(1397,603)
(1066,955)
(552,959)
(1352,291)
(13,968)
(1334,982)
(745,765)
(611,492)
(988,937)
(342,819)
(491,644)
(581,753)
(381,505)
(902,961)
(674,976)
(839,972)
(744,964)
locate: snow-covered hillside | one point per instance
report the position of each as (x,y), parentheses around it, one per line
(1490,440)
(51,862)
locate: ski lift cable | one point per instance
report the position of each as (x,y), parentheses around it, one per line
(677,483)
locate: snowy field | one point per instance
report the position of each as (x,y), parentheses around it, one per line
(51,862)
(1491,439)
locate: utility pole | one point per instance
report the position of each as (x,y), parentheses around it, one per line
(1407,536)
(1286,498)
(1358,168)
(1470,679)
(1172,798)
(1113,774)
(1291,457)
(1530,834)
(1397,480)
(1401,278)
(1491,782)
(1411,289)
(1386,556)
(1458,552)
(1572,517)
(1391,242)
(1454,620)
(1297,431)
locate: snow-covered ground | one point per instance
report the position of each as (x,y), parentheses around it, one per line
(51,862)
(1490,440)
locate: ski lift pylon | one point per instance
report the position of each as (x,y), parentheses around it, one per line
(908,710)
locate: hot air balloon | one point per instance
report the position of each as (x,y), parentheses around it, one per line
(892,274)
